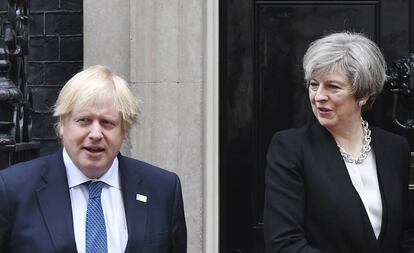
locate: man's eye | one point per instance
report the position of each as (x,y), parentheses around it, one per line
(82,120)
(108,123)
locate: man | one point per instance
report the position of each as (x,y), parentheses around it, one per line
(87,197)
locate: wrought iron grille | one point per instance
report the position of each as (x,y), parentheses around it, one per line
(401,85)
(15,98)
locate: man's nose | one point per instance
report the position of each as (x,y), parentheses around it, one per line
(95,132)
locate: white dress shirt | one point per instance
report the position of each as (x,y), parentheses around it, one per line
(112,205)
(365,180)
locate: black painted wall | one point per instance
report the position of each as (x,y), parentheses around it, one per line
(55,54)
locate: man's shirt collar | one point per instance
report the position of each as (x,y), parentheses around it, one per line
(76,176)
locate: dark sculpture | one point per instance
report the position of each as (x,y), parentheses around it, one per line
(400,85)
(14,97)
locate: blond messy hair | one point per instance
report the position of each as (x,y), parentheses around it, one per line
(93,86)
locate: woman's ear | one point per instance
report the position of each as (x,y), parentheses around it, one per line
(362,101)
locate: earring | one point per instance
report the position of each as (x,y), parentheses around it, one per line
(361,103)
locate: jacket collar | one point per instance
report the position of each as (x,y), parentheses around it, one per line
(54,202)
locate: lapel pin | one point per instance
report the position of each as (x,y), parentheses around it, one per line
(142,198)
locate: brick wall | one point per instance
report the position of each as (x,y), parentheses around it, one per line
(55,54)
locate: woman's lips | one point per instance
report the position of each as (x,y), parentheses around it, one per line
(324,111)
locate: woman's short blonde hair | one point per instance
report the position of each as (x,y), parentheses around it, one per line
(93,86)
(358,57)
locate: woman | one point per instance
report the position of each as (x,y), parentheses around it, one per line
(339,185)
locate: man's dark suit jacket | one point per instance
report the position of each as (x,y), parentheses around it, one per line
(36,214)
(312,206)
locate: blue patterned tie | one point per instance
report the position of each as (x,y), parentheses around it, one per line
(96,241)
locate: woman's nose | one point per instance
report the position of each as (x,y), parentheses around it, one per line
(320,94)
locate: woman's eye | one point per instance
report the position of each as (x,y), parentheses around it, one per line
(313,85)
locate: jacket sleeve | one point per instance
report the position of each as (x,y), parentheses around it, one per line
(179,235)
(4,220)
(285,197)
(407,245)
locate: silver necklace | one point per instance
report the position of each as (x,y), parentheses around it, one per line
(366,147)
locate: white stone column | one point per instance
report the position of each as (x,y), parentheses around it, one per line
(211,132)
(166,73)
(106,28)
(161,48)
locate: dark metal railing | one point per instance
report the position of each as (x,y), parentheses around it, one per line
(15,98)
(400,85)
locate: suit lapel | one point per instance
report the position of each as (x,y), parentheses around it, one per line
(384,173)
(327,151)
(54,202)
(135,210)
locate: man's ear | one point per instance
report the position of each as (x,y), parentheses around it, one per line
(60,127)
(125,135)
